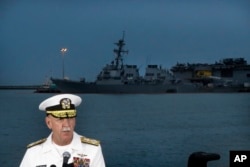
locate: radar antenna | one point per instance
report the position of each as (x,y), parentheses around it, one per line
(120,51)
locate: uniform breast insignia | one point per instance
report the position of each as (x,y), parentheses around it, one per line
(36,143)
(81,162)
(90,141)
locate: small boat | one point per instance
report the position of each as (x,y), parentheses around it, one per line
(47,87)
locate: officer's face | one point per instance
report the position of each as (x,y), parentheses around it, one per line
(62,129)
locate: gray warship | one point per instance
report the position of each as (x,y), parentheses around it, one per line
(229,75)
(117,77)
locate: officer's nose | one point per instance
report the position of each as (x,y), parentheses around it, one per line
(65,122)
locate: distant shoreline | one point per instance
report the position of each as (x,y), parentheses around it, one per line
(19,86)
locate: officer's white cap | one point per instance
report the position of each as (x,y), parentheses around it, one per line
(55,100)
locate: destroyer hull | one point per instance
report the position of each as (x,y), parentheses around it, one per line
(68,86)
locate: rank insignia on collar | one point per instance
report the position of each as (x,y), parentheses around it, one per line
(81,162)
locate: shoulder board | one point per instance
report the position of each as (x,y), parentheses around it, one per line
(90,141)
(36,143)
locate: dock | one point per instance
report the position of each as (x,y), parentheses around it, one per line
(9,87)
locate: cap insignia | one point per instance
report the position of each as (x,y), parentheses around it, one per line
(65,103)
(65,109)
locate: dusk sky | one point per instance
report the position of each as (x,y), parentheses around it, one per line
(162,32)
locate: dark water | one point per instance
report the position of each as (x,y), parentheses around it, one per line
(136,130)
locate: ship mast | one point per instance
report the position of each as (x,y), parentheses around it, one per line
(119,51)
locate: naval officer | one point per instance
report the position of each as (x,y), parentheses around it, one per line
(63,147)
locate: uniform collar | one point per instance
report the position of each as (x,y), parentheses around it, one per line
(75,143)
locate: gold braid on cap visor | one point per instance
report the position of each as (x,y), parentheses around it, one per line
(63,113)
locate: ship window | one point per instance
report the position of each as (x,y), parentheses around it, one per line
(227,73)
(149,74)
(106,72)
(130,75)
(117,78)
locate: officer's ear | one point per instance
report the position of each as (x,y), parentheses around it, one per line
(48,121)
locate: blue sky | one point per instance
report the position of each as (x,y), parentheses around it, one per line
(160,32)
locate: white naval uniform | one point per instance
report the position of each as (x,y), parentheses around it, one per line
(46,154)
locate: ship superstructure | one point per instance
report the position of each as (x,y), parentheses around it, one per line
(229,72)
(116,72)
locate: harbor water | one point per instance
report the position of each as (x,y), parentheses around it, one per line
(136,129)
